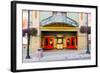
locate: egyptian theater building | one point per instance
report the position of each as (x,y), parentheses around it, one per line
(56,30)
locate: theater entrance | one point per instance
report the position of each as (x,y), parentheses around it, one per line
(59,40)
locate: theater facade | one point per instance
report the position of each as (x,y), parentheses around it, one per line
(56,30)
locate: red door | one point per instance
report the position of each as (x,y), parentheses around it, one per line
(71,43)
(48,43)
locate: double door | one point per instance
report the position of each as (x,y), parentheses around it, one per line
(48,43)
(71,42)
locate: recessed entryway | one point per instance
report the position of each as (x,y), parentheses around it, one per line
(59,40)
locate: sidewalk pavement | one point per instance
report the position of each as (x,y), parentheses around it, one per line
(57,55)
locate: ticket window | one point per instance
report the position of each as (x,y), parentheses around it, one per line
(59,43)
